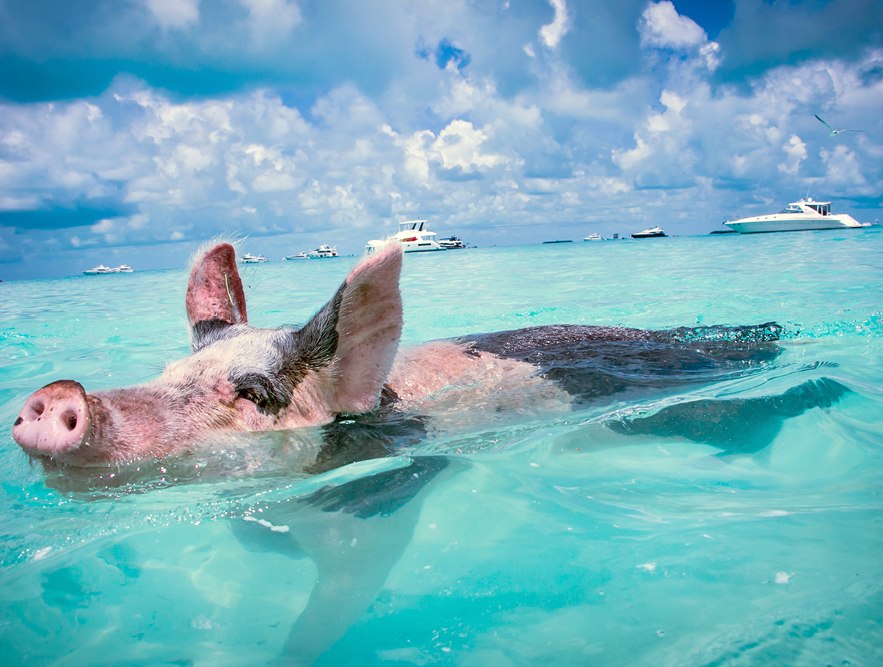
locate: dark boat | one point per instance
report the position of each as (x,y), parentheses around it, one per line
(655,233)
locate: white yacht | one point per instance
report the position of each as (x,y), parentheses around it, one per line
(413,236)
(124,268)
(300,255)
(593,237)
(654,233)
(323,251)
(100,270)
(248,258)
(452,243)
(802,215)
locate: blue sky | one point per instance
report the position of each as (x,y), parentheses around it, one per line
(134,130)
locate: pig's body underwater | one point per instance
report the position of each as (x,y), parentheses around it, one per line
(344,362)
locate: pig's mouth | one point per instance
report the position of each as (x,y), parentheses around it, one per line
(55,421)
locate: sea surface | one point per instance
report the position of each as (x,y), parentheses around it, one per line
(520,537)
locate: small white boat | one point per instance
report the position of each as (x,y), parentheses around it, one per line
(124,268)
(452,243)
(300,255)
(798,216)
(654,233)
(322,251)
(413,236)
(100,270)
(593,237)
(248,258)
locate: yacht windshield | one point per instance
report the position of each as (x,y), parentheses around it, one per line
(791,208)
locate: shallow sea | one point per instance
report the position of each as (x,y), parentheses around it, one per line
(531,539)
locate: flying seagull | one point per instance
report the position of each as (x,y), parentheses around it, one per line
(834,132)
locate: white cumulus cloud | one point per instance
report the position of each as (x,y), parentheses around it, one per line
(552,33)
(662,27)
(174,13)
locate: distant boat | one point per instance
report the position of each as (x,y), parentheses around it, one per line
(100,270)
(322,251)
(799,216)
(564,241)
(124,268)
(413,236)
(248,258)
(300,255)
(452,243)
(655,233)
(593,237)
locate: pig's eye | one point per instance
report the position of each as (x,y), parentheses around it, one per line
(257,396)
(260,390)
(250,395)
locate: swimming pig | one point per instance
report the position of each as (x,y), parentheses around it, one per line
(344,362)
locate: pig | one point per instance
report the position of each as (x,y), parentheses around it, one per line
(346,361)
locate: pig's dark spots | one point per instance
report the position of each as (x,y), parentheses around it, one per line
(388,396)
(18,421)
(316,344)
(206,332)
(595,362)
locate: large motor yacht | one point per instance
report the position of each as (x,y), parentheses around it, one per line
(323,251)
(413,236)
(798,216)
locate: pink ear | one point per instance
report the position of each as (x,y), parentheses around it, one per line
(369,326)
(215,290)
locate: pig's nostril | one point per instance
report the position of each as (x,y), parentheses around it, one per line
(70,420)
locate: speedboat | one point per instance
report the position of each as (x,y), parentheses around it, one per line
(412,235)
(248,258)
(124,268)
(322,251)
(300,255)
(655,233)
(798,216)
(452,243)
(593,237)
(100,270)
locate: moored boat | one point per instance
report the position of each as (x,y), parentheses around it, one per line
(322,251)
(100,270)
(248,258)
(593,237)
(412,235)
(799,216)
(654,233)
(452,243)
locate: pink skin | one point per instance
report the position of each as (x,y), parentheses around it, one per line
(197,396)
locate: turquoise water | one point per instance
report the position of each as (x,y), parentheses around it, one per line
(546,539)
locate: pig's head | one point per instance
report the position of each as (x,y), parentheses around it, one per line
(238,378)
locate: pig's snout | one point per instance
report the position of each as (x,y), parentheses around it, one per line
(54,420)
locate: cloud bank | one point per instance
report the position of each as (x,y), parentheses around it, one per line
(157,125)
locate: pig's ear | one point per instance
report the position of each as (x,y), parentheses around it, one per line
(353,340)
(214,292)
